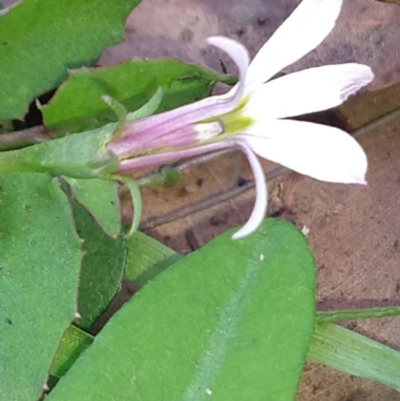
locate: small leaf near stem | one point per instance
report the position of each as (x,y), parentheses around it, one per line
(134,190)
(148,108)
(119,110)
(122,114)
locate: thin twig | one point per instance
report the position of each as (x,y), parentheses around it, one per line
(20,139)
(205,203)
(195,207)
(186,163)
(377,123)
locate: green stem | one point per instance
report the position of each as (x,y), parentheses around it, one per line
(337,316)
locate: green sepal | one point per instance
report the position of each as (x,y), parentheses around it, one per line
(81,155)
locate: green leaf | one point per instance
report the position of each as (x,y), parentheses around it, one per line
(352,353)
(42,39)
(39,272)
(232,320)
(77,104)
(73,343)
(354,314)
(103,267)
(147,258)
(100,198)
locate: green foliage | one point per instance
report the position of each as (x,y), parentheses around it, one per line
(77,105)
(73,343)
(218,322)
(103,267)
(147,258)
(42,39)
(232,321)
(39,269)
(100,198)
(341,349)
(82,155)
(354,314)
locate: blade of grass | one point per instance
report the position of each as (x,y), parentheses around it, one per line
(352,353)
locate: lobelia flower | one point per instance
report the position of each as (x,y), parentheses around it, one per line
(252,115)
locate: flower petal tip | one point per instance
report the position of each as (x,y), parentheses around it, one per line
(369,73)
(211,39)
(361,181)
(366,75)
(240,234)
(249,228)
(235,237)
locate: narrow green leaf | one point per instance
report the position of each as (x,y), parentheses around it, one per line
(354,314)
(147,258)
(77,105)
(100,198)
(42,39)
(39,271)
(73,343)
(352,353)
(232,321)
(103,267)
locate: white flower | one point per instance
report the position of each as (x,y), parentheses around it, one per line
(252,115)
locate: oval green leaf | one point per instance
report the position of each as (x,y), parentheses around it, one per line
(42,39)
(77,105)
(232,321)
(39,273)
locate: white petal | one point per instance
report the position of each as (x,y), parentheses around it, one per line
(206,108)
(308,91)
(308,25)
(322,152)
(260,206)
(239,54)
